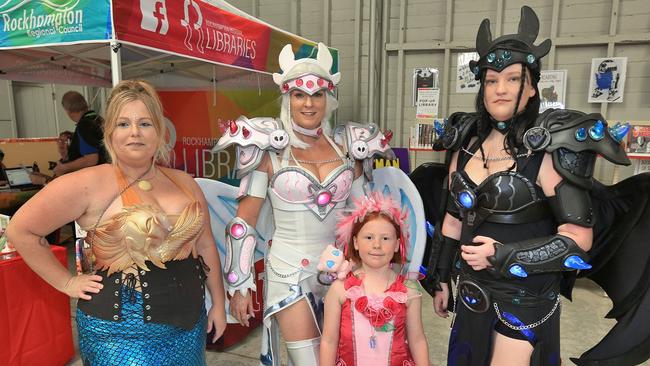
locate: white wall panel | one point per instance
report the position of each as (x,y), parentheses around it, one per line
(7,116)
(583,27)
(634,16)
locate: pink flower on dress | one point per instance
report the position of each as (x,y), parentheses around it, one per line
(377,317)
(391,305)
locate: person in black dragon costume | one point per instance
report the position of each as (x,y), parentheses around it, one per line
(523,214)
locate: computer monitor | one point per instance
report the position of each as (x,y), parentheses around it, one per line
(19,177)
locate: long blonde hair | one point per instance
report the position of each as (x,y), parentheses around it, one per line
(129,91)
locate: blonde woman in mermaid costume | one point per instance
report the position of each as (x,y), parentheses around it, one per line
(143,303)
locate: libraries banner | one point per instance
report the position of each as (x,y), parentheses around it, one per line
(204,31)
(196,119)
(48,22)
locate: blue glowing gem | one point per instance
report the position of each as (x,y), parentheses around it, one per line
(330,263)
(618,131)
(576,262)
(466,199)
(476,70)
(439,127)
(517,270)
(336,252)
(530,58)
(470,300)
(457,264)
(597,131)
(430,229)
(501,125)
(423,271)
(491,57)
(581,134)
(506,55)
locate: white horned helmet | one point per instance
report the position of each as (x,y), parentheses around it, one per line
(307,74)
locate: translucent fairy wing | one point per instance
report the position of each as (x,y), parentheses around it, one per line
(392,181)
(222,204)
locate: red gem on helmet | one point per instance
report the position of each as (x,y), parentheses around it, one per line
(304,262)
(330,86)
(246,132)
(285,87)
(310,84)
(233,128)
(320,82)
(388,135)
(299,82)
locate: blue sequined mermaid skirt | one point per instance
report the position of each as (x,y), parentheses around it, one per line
(134,342)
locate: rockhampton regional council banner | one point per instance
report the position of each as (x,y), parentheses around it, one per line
(46,22)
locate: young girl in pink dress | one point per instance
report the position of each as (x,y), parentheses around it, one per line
(373,315)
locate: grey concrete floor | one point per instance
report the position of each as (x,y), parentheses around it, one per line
(582,326)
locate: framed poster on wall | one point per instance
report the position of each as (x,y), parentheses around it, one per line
(424,78)
(465,81)
(552,89)
(607,80)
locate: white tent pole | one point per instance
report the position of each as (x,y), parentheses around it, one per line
(116,62)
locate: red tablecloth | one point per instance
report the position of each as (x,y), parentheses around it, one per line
(35,325)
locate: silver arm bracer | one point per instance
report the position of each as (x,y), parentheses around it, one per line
(240,251)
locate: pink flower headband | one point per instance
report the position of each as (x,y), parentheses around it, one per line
(375,202)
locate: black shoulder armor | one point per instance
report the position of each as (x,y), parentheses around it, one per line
(575,139)
(458,128)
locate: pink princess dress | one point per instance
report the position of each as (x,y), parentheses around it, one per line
(373,327)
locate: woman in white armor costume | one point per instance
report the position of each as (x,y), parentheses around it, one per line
(308,178)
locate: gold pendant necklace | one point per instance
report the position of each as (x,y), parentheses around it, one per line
(145,185)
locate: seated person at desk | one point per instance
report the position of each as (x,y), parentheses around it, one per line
(3,175)
(62,145)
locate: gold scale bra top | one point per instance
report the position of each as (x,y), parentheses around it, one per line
(142,232)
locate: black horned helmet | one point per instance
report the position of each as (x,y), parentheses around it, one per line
(511,48)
